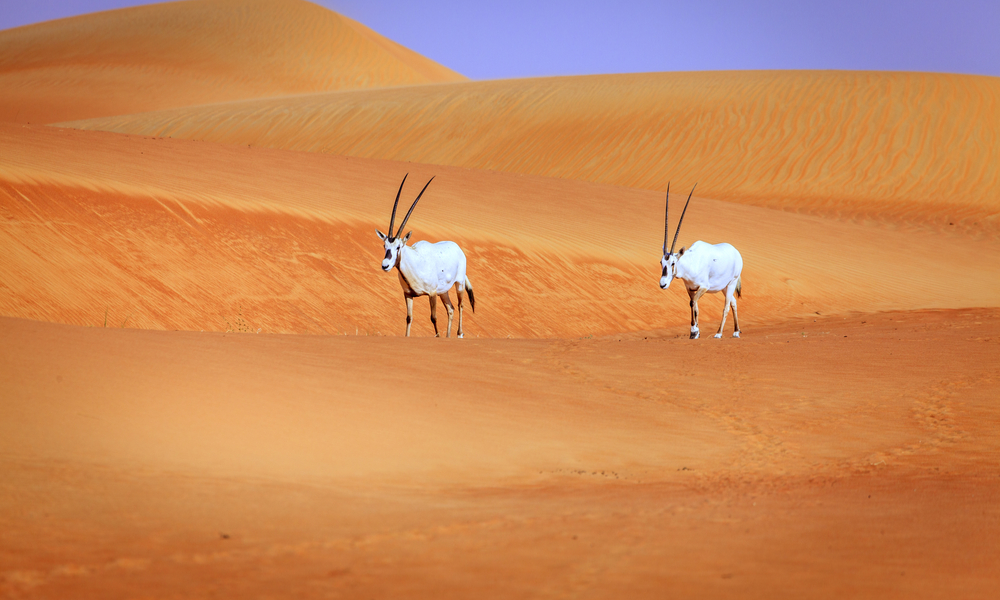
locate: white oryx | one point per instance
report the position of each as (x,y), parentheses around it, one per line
(703,268)
(426,269)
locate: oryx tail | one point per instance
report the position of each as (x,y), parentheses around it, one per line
(468,290)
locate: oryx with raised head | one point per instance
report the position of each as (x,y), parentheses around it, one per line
(426,269)
(703,268)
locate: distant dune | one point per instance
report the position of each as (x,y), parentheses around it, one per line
(905,144)
(187,53)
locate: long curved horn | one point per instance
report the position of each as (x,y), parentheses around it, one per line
(414,205)
(392,219)
(666,221)
(678,232)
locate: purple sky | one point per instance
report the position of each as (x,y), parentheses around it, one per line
(487,39)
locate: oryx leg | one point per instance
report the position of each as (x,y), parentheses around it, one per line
(736,321)
(461,306)
(695,295)
(451,311)
(409,313)
(730,300)
(434,320)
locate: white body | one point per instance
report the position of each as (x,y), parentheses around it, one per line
(706,268)
(431,270)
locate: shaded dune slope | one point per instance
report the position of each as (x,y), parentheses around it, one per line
(867,144)
(101,228)
(185,53)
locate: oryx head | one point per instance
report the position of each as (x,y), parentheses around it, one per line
(394,243)
(669,260)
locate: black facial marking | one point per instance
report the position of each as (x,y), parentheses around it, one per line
(664,271)
(388,254)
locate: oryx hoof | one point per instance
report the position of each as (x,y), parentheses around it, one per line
(736,334)
(718,336)
(695,334)
(461,335)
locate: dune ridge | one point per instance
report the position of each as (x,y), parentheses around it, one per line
(109,228)
(197,52)
(864,143)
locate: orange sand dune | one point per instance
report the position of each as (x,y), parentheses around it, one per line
(902,146)
(107,229)
(846,447)
(828,457)
(183,53)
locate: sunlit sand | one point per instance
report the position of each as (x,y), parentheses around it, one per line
(206,391)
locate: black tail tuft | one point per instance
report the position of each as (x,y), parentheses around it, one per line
(468,290)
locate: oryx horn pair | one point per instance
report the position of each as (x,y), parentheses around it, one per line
(392,219)
(666,222)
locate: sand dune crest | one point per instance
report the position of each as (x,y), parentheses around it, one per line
(187,53)
(909,145)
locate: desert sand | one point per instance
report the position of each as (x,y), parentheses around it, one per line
(841,456)
(196,52)
(206,391)
(864,144)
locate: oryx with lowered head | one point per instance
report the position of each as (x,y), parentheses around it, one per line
(426,269)
(703,268)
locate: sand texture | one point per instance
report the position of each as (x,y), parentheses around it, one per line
(818,458)
(205,391)
(285,242)
(909,145)
(197,52)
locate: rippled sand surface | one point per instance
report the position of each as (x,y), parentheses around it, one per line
(865,144)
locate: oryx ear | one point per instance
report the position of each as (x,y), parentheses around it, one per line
(681,253)
(407,236)
(380,235)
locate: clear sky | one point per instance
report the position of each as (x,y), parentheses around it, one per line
(487,39)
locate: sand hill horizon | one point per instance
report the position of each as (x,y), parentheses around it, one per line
(867,143)
(176,54)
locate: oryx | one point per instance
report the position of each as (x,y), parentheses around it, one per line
(426,269)
(703,268)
